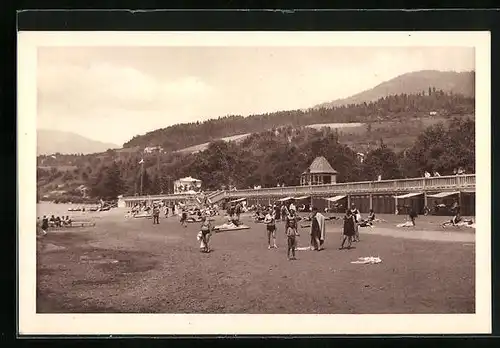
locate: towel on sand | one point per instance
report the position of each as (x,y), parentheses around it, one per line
(368,260)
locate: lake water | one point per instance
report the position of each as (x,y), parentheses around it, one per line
(47,208)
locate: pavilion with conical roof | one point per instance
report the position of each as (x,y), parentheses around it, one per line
(320,172)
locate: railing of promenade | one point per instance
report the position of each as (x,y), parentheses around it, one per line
(399,185)
(466,181)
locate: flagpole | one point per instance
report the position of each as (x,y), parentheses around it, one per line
(142,172)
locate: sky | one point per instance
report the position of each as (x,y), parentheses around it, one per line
(112,94)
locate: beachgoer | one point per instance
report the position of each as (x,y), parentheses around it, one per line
(317,230)
(184,218)
(357,217)
(156,215)
(45,225)
(270,222)
(277,212)
(206,232)
(237,210)
(455,208)
(291,234)
(284,212)
(412,214)
(371,216)
(456,217)
(291,217)
(349,230)
(68,221)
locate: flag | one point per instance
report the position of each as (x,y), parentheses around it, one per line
(141,161)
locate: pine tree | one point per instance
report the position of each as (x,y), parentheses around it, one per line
(112,183)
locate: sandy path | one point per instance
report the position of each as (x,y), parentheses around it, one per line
(410,233)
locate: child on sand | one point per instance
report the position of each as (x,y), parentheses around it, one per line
(291,234)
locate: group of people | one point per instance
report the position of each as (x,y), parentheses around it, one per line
(54,221)
(234,210)
(454,221)
(289,216)
(457,218)
(352,222)
(456,171)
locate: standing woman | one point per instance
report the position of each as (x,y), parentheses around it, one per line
(356,216)
(156,215)
(270,221)
(45,225)
(349,230)
(412,215)
(284,212)
(237,211)
(315,231)
(184,218)
(277,212)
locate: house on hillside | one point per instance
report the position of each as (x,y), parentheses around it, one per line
(320,172)
(151,149)
(360,156)
(83,190)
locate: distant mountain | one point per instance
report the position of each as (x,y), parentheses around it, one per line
(52,141)
(411,83)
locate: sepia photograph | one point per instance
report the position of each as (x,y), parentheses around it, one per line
(309,183)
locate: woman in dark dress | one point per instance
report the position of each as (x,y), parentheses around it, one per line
(412,214)
(315,232)
(349,229)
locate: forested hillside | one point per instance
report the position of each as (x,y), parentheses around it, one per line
(412,83)
(266,159)
(401,136)
(399,108)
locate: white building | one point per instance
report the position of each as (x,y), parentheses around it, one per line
(187,185)
(151,149)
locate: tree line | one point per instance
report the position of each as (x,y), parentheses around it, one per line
(394,107)
(281,155)
(280,148)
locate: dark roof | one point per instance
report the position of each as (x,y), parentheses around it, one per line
(320,166)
